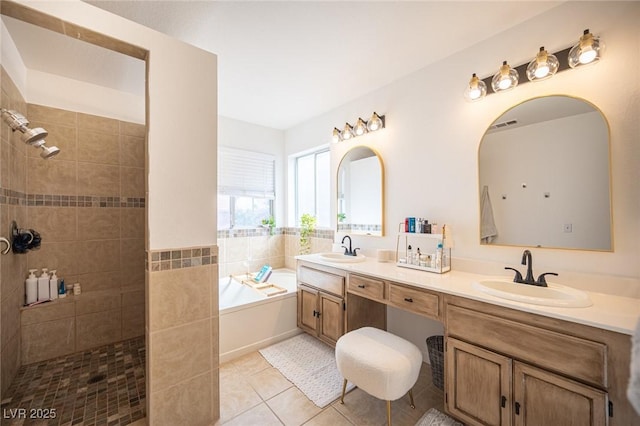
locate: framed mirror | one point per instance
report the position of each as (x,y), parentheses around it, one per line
(544,176)
(361,192)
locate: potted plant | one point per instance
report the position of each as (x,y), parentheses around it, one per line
(307,226)
(269,223)
(342,217)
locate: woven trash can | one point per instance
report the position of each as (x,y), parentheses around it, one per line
(435,347)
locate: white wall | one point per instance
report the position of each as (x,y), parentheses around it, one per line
(182,126)
(243,135)
(432,136)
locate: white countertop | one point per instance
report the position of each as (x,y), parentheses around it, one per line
(615,313)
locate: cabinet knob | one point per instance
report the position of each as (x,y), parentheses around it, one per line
(408,299)
(360,285)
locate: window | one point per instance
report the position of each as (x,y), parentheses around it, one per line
(246,188)
(313,186)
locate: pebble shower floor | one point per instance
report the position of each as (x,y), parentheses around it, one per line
(102,386)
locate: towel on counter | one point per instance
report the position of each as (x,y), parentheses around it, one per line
(488,230)
(633,391)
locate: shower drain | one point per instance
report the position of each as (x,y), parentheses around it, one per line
(97,378)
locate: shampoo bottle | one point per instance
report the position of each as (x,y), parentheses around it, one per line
(43,286)
(62,290)
(31,288)
(53,285)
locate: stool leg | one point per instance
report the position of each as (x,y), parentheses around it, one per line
(344,388)
(411,398)
(389,413)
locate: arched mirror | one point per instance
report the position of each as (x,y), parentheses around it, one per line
(361,192)
(544,176)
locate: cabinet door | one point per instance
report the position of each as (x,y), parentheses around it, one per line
(331,318)
(308,309)
(542,398)
(478,384)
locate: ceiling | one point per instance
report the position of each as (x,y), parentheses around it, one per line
(281,63)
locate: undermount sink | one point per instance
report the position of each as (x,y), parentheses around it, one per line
(342,258)
(554,295)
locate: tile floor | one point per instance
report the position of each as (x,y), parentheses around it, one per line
(61,391)
(254,393)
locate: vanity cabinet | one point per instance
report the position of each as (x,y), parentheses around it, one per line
(507,367)
(321,304)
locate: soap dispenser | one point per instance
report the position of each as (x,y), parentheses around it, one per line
(53,285)
(31,288)
(43,286)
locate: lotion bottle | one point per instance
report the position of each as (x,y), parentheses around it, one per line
(43,286)
(31,288)
(53,285)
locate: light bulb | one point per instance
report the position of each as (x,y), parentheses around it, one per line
(504,83)
(542,66)
(587,56)
(336,137)
(476,89)
(347,132)
(506,78)
(374,123)
(360,128)
(541,71)
(587,51)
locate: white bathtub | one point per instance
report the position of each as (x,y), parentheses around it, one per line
(250,320)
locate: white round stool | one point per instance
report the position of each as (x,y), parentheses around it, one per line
(381,364)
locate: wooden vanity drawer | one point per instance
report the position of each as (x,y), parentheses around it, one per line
(321,280)
(366,287)
(572,356)
(418,301)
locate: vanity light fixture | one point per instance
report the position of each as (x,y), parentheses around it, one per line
(376,122)
(587,51)
(506,78)
(360,128)
(347,132)
(542,66)
(476,89)
(337,136)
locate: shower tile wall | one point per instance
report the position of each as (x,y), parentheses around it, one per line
(88,205)
(12,207)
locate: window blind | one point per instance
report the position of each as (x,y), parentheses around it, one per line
(246,173)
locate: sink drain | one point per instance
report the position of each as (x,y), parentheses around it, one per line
(97,378)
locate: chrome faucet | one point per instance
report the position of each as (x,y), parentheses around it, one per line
(349,251)
(527,260)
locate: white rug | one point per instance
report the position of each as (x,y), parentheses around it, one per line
(310,365)
(434,417)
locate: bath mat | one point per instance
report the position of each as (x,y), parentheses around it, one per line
(310,365)
(434,417)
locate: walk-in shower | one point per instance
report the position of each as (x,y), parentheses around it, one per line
(34,137)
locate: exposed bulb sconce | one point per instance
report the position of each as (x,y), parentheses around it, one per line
(542,66)
(34,137)
(337,136)
(376,122)
(476,90)
(587,51)
(360,128)
(506,78)
(347,132)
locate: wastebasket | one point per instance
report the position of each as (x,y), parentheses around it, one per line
(435,347)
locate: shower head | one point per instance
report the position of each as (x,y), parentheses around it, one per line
(34,137)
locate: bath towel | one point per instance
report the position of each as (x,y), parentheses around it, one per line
(633,391)
(488,230)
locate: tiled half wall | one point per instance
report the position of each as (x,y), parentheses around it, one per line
(182,321)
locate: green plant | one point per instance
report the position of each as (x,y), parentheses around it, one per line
(307,226)
(342,217)
(269,222)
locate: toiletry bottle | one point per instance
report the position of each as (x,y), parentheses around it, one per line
(43,286)
(62,290)
(416,258)
(439,256)
(31,288)
(77,289)
(409,255)
(53,285)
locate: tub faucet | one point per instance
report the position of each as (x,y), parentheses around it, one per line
(349,251)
